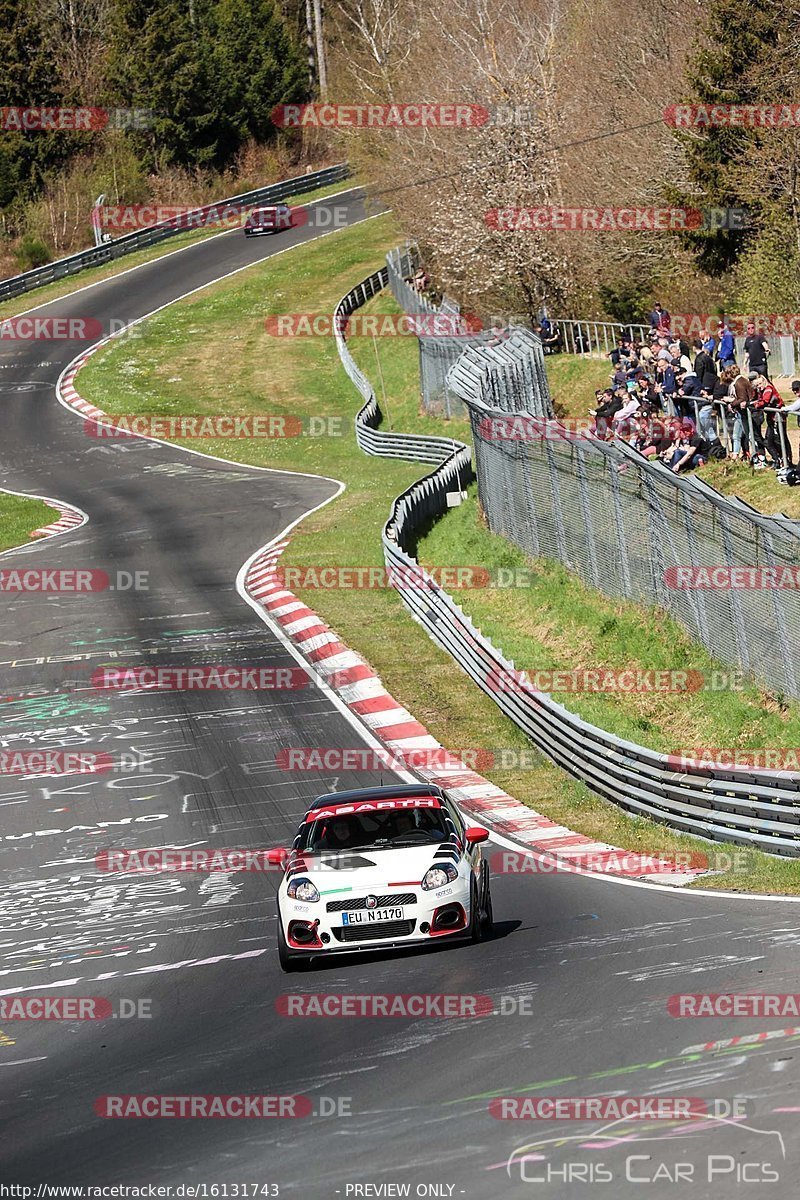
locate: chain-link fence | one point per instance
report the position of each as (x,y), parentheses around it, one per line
(437,355)
(627,525)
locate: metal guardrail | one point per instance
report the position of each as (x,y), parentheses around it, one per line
(596,339)
(96,256)
(371,438)
(755,808)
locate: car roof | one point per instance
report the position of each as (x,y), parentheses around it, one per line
(390,792)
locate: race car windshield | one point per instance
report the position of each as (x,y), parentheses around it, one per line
(375,830)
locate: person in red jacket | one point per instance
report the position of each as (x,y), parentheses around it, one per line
(768,403)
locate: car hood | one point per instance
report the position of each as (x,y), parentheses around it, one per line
(378,868)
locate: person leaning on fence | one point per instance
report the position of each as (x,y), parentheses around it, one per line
(765,404)
(754,420)
(706,418)
(738,394)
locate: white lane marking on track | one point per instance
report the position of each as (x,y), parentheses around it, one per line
(151,970)
(169,616)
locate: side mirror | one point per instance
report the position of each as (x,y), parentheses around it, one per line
(475,834)
(277,857)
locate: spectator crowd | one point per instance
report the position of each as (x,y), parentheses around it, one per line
(687,402)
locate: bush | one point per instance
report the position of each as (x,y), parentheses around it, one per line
(766,276)
(31,252)
(625,301)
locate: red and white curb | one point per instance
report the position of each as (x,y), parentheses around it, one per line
(359,687)
(69,393)
(71,518)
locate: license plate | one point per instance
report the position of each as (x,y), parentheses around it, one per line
(364,916)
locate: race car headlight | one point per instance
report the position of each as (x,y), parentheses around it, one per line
(436,877)
(303,889)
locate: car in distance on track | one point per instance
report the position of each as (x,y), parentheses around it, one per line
(269,219)
(380,868)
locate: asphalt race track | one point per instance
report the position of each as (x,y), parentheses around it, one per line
(579,969)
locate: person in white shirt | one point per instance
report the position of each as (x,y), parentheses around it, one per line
(685,361)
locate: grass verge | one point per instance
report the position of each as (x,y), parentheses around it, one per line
(174,368)
(19,516)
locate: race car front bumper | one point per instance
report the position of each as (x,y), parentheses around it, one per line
(344,925)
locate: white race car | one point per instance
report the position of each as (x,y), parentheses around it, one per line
(381,867)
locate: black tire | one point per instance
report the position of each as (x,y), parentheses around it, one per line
(481,918)
(475,917)
(289,962)
(488,912)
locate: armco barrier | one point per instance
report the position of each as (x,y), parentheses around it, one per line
(371,438)
(526,375)
(17,285)
(754,808)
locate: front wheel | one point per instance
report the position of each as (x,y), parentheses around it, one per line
(488,913)
(481,918)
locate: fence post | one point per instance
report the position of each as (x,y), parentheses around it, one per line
(586,512)
(787,650)
(739,626)
(619,520)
